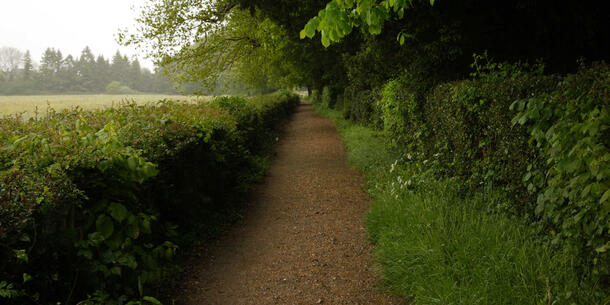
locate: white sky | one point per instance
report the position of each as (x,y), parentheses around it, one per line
(68,25)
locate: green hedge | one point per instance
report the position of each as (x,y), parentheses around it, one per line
(92,203)
(436,245)
(541,140)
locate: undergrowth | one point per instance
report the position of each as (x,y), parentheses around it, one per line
(435,245)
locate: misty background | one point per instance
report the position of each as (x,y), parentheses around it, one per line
(70,47)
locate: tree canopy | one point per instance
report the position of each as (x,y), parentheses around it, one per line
(262,42)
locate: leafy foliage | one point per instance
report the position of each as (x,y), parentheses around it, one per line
(339,17)
(554,140)
(570,126)
(417,93)
(438,245)
(90,199)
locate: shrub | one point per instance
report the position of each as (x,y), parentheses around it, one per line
(437,245)
(474,136)
(471,133)
(115,87)
(316,97)
(327,97)
(401,107)
(541,141)
(361,106)
(570,126)
(90,200)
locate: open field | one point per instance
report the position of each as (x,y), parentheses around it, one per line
(32,105)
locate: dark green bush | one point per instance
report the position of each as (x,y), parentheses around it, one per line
(566,172)
(435,244)
(471,133)
(90,200)
(361,106)
(316,97)
(547,154)
(401,106)
(327,97)
(570,126)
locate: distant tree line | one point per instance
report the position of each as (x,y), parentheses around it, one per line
(57,74)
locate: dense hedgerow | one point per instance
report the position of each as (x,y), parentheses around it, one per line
(437,245)
(361,106)
(93,202)
(542,141)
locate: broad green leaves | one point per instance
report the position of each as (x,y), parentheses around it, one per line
(568,127)
(339,17)
(118,211)
(310,28)
(104,226)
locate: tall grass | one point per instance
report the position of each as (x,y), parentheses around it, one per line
(435,245)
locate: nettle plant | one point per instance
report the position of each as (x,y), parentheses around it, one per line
(570,127)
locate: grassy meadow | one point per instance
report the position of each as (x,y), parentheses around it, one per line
(37,105)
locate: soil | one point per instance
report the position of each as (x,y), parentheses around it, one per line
(303,239)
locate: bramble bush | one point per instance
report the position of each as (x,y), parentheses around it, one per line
(94,203)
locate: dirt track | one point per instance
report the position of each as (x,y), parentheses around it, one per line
(303,239)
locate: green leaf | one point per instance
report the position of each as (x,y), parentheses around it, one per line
(302,34)
(115,270)
(128,260)
(25,238)
(26,278)
(115,241)
(118,211)
(605,196)
(133,230)
(88,254)
(140,286)
(96,238)
(539,208)
(401,13)
(105,226)
(431,2)
(311,27)
(132,163)
(603,248)
(21,255)
(151,300)
(325,41)
(146,226)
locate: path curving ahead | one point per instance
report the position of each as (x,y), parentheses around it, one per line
(303,240)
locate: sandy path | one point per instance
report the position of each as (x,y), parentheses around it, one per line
(303,239)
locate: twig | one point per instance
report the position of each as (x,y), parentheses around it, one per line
(73,286)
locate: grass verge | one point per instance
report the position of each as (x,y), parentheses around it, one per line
(435,245)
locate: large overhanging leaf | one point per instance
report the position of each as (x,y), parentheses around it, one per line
(339,17)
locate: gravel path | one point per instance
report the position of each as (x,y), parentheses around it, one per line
(303,239)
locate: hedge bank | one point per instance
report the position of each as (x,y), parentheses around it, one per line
(541,141)
(93,203)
